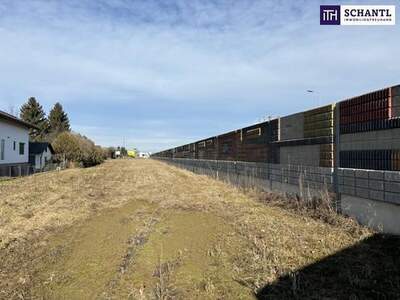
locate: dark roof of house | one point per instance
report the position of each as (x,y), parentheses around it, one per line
(11,118)
(38,148)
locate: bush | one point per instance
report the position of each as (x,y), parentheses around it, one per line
(72,147)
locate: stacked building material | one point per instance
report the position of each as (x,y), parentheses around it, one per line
(369,128)
(395,95)
(166,154)
(388,160)
(192,150)
(292,127)
(186,151)
(369,138)
(396,160)
(367,112)
(306,138)
(367,159)
(228,145)
(319,122)
(274,130)
(253,145)
(181,151)
(306,155)
(326,156)
(273,136)
(206,149)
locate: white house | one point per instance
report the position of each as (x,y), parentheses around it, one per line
(40,154)
(14,141)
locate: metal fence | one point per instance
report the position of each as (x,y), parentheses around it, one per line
(383,186)
(292,179)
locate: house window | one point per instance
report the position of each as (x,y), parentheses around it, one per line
(15,146)
(21,148)
(2,146)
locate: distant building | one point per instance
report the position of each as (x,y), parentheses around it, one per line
(132,153)
(40,155)
(144,155)
(14,144)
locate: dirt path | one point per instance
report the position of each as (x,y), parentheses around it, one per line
(140,229)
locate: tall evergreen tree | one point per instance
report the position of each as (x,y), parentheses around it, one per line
(58,121)
(32,112)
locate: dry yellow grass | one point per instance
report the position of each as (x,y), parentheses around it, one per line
(50,224)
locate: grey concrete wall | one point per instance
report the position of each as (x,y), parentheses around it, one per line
(372,197)
(381,216)
(371,140)
(292,127)
(308,155)
(381,186)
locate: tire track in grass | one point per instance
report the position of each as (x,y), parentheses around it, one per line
(95,254)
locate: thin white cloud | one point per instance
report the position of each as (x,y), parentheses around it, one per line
(247,59)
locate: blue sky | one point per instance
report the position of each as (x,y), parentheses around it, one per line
(164,73)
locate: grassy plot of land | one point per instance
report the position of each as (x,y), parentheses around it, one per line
(141,229)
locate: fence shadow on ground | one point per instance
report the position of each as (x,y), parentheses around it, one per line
(368,270)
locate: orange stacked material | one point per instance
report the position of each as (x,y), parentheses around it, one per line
(366,112)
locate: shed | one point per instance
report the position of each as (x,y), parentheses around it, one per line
(40,154)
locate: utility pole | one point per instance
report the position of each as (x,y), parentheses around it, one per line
(313,91)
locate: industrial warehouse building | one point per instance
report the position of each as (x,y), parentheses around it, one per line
(350,148)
